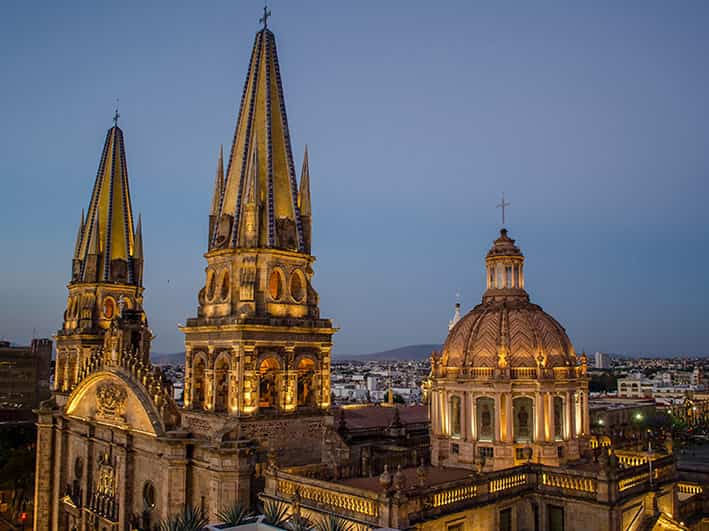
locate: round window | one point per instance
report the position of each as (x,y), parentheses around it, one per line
(149,495)
(109,307)
(297,286)
(275,285)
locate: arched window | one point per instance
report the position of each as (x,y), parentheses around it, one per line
(275,285)
(225,285)
(485,414)
(523,417)
(210,285)
(306,382)
(455,416)
(297,286)
(268,392)
(221,384)
(558,418)
(198,383)
(149,497)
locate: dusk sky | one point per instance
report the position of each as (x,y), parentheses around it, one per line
(592,117)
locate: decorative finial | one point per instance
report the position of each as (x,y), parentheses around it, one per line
(503,205)
(116,116)
(266,13)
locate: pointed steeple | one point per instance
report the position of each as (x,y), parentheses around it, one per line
(252,205)
(138,254)
(77,246)
(304,202)
(263,122)
(218,192)
(109,218)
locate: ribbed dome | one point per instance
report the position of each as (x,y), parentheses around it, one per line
(507,330)
(517,329)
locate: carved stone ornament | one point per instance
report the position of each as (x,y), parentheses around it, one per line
(111,401)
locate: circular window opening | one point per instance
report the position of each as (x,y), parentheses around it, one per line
(275,285)
(109,307)
(149,496)
(297,286)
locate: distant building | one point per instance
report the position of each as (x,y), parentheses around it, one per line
(24,378)
(602,360)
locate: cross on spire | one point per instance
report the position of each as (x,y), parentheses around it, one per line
(266,13)
(503,205)
(116,116)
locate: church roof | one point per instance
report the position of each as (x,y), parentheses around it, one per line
(107,230)
(261,129)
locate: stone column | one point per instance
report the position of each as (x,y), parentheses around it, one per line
(290,389)
(550,427)
(539,414)
(187,390)
(235,377)
(497,419)
(325,376)
(209,381)
(509,418)
(44,474)
(584,413)
(571,426)
(468,419)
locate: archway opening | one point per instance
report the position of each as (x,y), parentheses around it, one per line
(198,383)
(306,382)
(221,384)
(268,391)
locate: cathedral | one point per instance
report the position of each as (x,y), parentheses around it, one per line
(507,444)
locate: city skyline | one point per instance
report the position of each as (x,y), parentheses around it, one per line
(405,226)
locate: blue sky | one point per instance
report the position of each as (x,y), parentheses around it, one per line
(592,117)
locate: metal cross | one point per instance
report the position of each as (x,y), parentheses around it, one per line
(116,116)
(266,13)
(503,205)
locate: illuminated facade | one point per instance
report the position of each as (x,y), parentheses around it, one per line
(507,387)
(258,353)
(114,450)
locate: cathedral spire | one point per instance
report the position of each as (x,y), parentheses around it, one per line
(304,202)
(218,191)
(262,122)
(108,228)
(77,246)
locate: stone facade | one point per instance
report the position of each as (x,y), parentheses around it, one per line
(114,450)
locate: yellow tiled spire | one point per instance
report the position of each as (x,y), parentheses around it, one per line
(107,232)
(262,128)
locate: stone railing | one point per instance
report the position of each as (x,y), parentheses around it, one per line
(359,504)
(570,483)
(508,480)
(452,495)
(482,372)
(689,488)
(523,372)
(635,479)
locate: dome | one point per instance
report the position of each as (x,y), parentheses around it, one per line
(506,329)
(516,330)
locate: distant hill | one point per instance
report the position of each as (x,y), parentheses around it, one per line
(409,352)
(178,358)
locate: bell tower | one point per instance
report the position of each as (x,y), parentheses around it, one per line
(107,266)
(258,348)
